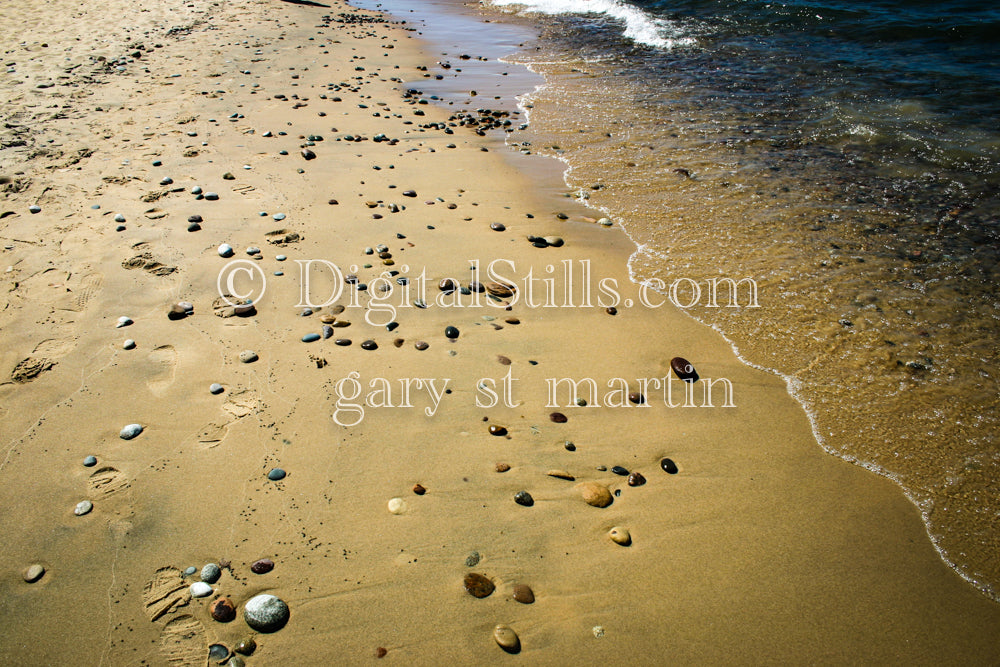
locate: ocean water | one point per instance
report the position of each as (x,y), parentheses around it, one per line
(845,157)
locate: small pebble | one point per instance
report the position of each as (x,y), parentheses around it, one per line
(216,388)
(119,217)
(524,594)
(248,356)
(506,639)
(502,467)
(225,250)
(636,479)
(369,345)
(218,653)
(310,337)
(478,585)
(497,226)
(35,208)
(683,369)
(212,196)
(598,631)
(123,322)
(620,536)
(276,474)
(83,507)
(558,417)
(397,506)
(381,652)
(266,613)
(561,474)
(280,258)
(129,344)
(223,610)
(497,430)
(503,360)
(451,332)
(421,345)
(210,573)
(668,466)
(618,470)
(188,571)
(524,498)
(130,431)
(90,461)
(278,216)
(419,489)
(200,589)
(236,661)
(33,573)
(246,646)
(262,566)
(472,559)
(594,494)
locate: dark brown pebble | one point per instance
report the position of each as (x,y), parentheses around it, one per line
(262,566)
(502,467)
(558,417)
(668,466)
(637,398)
(369,345)
(381,652)
(308,154)
(223,610)
(524,498)
(343,342)
(497,226)
(636,479)
(523,594)
(478,585)
(451,332)
(421,345)
(447,285)
(419,489)
(611,310)
(619,470)
(683,369)
(512,320)
(195,218)
(409,193)
(333,202)
(503,360)
(398,342)
(177,312)
(497,430)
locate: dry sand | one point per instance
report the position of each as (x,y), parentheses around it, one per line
(761,549)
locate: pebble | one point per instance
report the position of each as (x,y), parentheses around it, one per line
(558,417)
(90,461)
(119,217)
(308,154)
(554,241)
(266,613)
(280,258)
(225,250)
(419,489)
(166,180)
(502,467)
(503,360)
(196,190)
(223,610)
(636,479)
(397,506)
(668,466)
(421,345)
(262,566)
(327,331)
(35,208)
(248,356)
(236,661)
(177,312)
(216,388)
(194,227)
(560,474)
(123,322)
(246,646)
(569,446)
(620,536)
(683,368)
(605,221)
(343,342)
(310,337)
(200,589)
(506,639)
(637,398)
(278,216)
(276,474)
(451,332)
(472,559)
(218,653)
(83,507)
(195,218)
(524,498)
(369,345)
(619,470)
(188,571)
(497,226)
(212,196)
(598,631)
(33,573)
(594,494)
(478,585)
(524,594)
(495,429)
(129,344)
(130,431)
(211,573)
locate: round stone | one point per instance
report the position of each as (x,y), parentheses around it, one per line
(275,474)
(262,566)
(248,356)
(33,573)
(196,190)
(35,208)
(188,571)
(223,610)
(266,613)
(636,479)
(280,258)
(246,646)
(310,338)
(90,461)
(130,431)
(558,417)
(668,466)
(506,639)
(369,345)
(129,344)
(83,507)
(451,332)
(620,536)
(524,594)
(397,506)
(497,226)
(123,321)
(278,216)
(166,180)
(497,430)
(200,589)
(524,498)
(478,585)
(211,573)
(216,388)
(226,250)
(683,369)
(218,653)
(594,494)
(637,398)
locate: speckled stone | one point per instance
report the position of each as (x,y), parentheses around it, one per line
(211,573)
(223,610)
(262,566)
(506,639)
(83,507)
(266,613)
(478,586)
(524,498)
(248,356)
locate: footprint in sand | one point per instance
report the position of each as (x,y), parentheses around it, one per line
(90,285)
(107,481)
(162,366)
(183,642)
(166,593)
(42,359)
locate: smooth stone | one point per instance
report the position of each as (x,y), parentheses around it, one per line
(502,467)
(451,332)
(236,661)
(248,356)
(225,250)
(506,639)
(503,360)
(369,345)
(177,312)
(327,331)
(620,536)
(195,218)
(308,154)
(223,610)
(278,216)
(245,310)
(310,337)
(683,369)
(216,388)
(619,470)
(478,585)
(561,474)
(497,430)
(83,507)
(120,228)
(554,241)
(129,344)
(35,208)
(188,571)
(343,342)
(605,221)
(266,613)
(211,573)
(196,190)
(497,226)
(397,506)
(419,489)
(280,258)
(636,479)
(569,446)
(524,594)
(218,652)
(119,217)
(637,398)
(594,494)
(409,193)
(558,417)
(668,466)
(262,566)
(166,180)
(130,431)
(90,461)
(524,498)
(33,573)
(200,589)
(253,250)
(194,227)
(447,285)
(421,345)
(212,196)
(123,321)
(246,646)
(275,474)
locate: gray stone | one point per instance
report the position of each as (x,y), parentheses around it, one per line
(266,613)
(90,461)
(83,507)
(130,431)
(216,388)
(210,573)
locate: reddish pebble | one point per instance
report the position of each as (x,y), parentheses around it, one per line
(223,610)
(611,310)
(502,467)
(523,594)
(558,417)
(503,360)
(380,652)
(497,430)
(262,566)
(636,479)
(478,585)
(683,368)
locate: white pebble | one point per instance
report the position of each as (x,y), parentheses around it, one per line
(216,388)
(225,250)
(83,507)
(200,589)
(129,344)
(397,506)
(123,322)
(130,431)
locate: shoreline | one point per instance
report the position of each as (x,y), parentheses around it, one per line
(743,553)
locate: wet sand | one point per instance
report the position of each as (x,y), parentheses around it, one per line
(761,548)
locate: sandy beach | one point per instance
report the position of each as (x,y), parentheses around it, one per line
(419,445)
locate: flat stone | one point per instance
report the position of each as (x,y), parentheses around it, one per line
(594,494)
(478,585)
(369,345)
(223,610)
(211,573)
(620,536)
(497,226)
(560,474)
(248,356)
(310,337)
(218,653)
(683,369)
(524,594)
(421,345)
(506,639)
(83,507)
(33,573)
(90,461)
(266,613)
(558,418)
(619,470)
(503,360)
(200,589)
(276,474)
(130,431)
(262,566)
